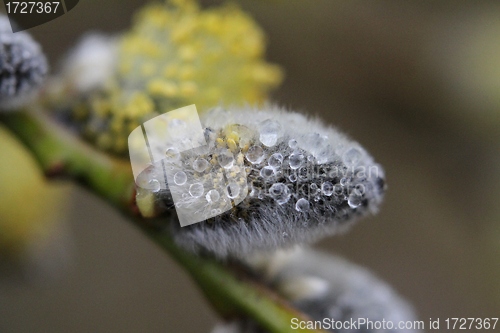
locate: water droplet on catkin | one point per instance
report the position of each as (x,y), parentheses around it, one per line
(327,188)
(226,160)
(352,157)
(172,155)
(154,185)
(275,160)
(200,165)
(212,196)
(270,132)
(180,178)
(296,160)
(302,205)
(280,192)
(196,190)
(354,200)
(255,154)
(266,172)
(232,190)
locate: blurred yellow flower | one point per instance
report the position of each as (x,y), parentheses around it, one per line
(177,54)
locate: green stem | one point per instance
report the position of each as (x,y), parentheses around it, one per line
(61,154)
(234,295)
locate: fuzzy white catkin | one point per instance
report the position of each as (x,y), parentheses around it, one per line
(23,67)
(347,292)
(91,63)
(305,181)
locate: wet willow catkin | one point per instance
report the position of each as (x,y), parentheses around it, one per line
(270,178)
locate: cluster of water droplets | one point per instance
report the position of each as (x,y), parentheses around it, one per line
(208,184)
(281,168)
(302,181)
(265,163)
(202,182)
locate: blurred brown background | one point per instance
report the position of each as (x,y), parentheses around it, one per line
(416,82)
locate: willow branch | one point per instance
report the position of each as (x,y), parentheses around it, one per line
(61,154)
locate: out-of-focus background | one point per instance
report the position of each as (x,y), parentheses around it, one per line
(416,82)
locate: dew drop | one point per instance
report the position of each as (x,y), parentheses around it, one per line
(318,146)
(212,196)
(255,154)
(280,192)
(303,173)
(327,188)
(354,200)
(172,155)
(232,190)
(302,205)
(180,178)
(352,157)
(270,132)
(275,160)
(196,190)
(154,185)
(292,178)
(226,159)
(296,160)
(266,172)
(292,143)
(200,165)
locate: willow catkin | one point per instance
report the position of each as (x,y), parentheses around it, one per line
(329,289)
(23,67)
(175,54)
(270,178)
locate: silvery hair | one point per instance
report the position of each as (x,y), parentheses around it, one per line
(325,286)
(23,66)
(303,181)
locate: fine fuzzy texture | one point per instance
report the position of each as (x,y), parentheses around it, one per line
(23,67)
(303,181)
(328,287)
